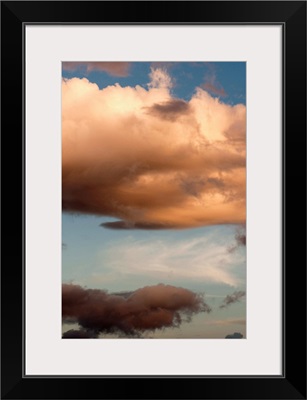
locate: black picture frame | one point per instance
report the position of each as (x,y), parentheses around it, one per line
(292,16)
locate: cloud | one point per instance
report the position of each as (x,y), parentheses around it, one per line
(211,83)
(125,295)
(235,335)
(170,110)
(210,87)
(149,159)
(160,79)
(79,334)
(146,309)
(232,298)
(240,239)
(120,69)
(135,225)
(228,321)
(201,260)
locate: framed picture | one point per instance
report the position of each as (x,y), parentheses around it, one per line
(161,151)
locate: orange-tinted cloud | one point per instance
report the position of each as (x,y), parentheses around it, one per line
(146,309)
(214,89)
(228,321)
(112,68)
(150,159)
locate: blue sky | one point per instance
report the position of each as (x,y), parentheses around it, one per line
(190,251)
(230,76)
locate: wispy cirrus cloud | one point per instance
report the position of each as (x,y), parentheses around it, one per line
(235,335)
(211,83)
(128,225)
(227,321)
(197,260)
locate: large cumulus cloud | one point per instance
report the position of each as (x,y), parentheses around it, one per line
(149,159)
(146,309)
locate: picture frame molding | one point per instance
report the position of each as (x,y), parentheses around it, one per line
(15,16)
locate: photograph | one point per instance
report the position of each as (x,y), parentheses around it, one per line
(154,200)
(152,161)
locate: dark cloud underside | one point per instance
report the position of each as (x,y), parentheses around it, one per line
(146,309)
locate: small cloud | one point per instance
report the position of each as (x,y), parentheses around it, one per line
(119,69)
(214,89)
(232,298)
(235,335)
(169,110)
(240,239)
(160,79)
(211,83)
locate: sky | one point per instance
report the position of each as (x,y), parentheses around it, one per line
(153,199)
